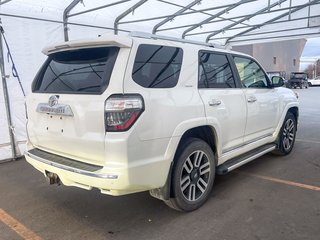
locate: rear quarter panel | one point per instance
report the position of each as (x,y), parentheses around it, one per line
(169,112)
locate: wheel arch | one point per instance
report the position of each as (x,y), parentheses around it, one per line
(206,133)
(281,149)
(295,111)
(292,108)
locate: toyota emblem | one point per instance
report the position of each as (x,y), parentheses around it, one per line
(53,100)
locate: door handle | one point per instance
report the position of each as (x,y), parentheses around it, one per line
(251,99)
(214,102)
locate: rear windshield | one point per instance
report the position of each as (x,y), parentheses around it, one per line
(298,75)
(78,71)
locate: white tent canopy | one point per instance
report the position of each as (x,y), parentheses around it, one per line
(225,21)
(30,25)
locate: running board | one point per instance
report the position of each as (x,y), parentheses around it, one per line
(244,158)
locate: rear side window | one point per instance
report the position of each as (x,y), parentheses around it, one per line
(215,71)
(78,71)
(157,66)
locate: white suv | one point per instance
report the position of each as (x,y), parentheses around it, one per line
(314,82)
(126,114)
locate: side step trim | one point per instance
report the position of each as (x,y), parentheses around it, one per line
(243,159)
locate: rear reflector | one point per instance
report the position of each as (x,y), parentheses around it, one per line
(121,111)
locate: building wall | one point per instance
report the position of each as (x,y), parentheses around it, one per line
(281,56)
(247,49)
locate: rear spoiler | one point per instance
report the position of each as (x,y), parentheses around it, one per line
(118,41)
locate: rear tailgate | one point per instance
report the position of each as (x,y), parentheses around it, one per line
(66,108)
(80,136)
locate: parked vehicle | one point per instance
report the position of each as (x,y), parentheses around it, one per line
(144,112)
(314,82)
(298,79)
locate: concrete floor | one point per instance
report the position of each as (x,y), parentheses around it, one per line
(242,206)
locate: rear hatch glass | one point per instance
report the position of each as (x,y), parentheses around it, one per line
(299,75)
(81,71)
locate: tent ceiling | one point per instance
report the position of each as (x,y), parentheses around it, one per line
(233,22)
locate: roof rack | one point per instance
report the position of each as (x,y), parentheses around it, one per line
(155,36)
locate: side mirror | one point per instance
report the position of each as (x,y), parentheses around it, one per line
(277,81)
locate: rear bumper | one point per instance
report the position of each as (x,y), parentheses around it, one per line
(32,155)
(112,181)
(297,83)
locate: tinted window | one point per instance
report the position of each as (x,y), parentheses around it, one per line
(77,71)
(215,71)
(157,66)
(299,75)
(251,74)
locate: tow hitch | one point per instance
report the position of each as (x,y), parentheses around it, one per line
(53,178)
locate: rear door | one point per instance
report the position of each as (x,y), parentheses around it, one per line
(66,107)
(224,101)
(262,100)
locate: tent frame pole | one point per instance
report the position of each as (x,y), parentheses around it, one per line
(125,13)
(273,20)
(6,98)
(65,18)
(182,10)
(5,1)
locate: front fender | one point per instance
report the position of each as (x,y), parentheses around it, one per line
(283,116)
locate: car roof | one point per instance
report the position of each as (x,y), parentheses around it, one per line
(127,41)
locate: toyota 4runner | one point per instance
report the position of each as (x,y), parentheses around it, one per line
(127,114)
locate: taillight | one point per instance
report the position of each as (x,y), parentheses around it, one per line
(121,111)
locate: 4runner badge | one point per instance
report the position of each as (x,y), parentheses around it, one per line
(54,108)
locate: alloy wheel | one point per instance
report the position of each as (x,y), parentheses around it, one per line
(288,134)
(195,176)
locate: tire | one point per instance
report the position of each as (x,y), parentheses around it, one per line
(287,135)
(193,175)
